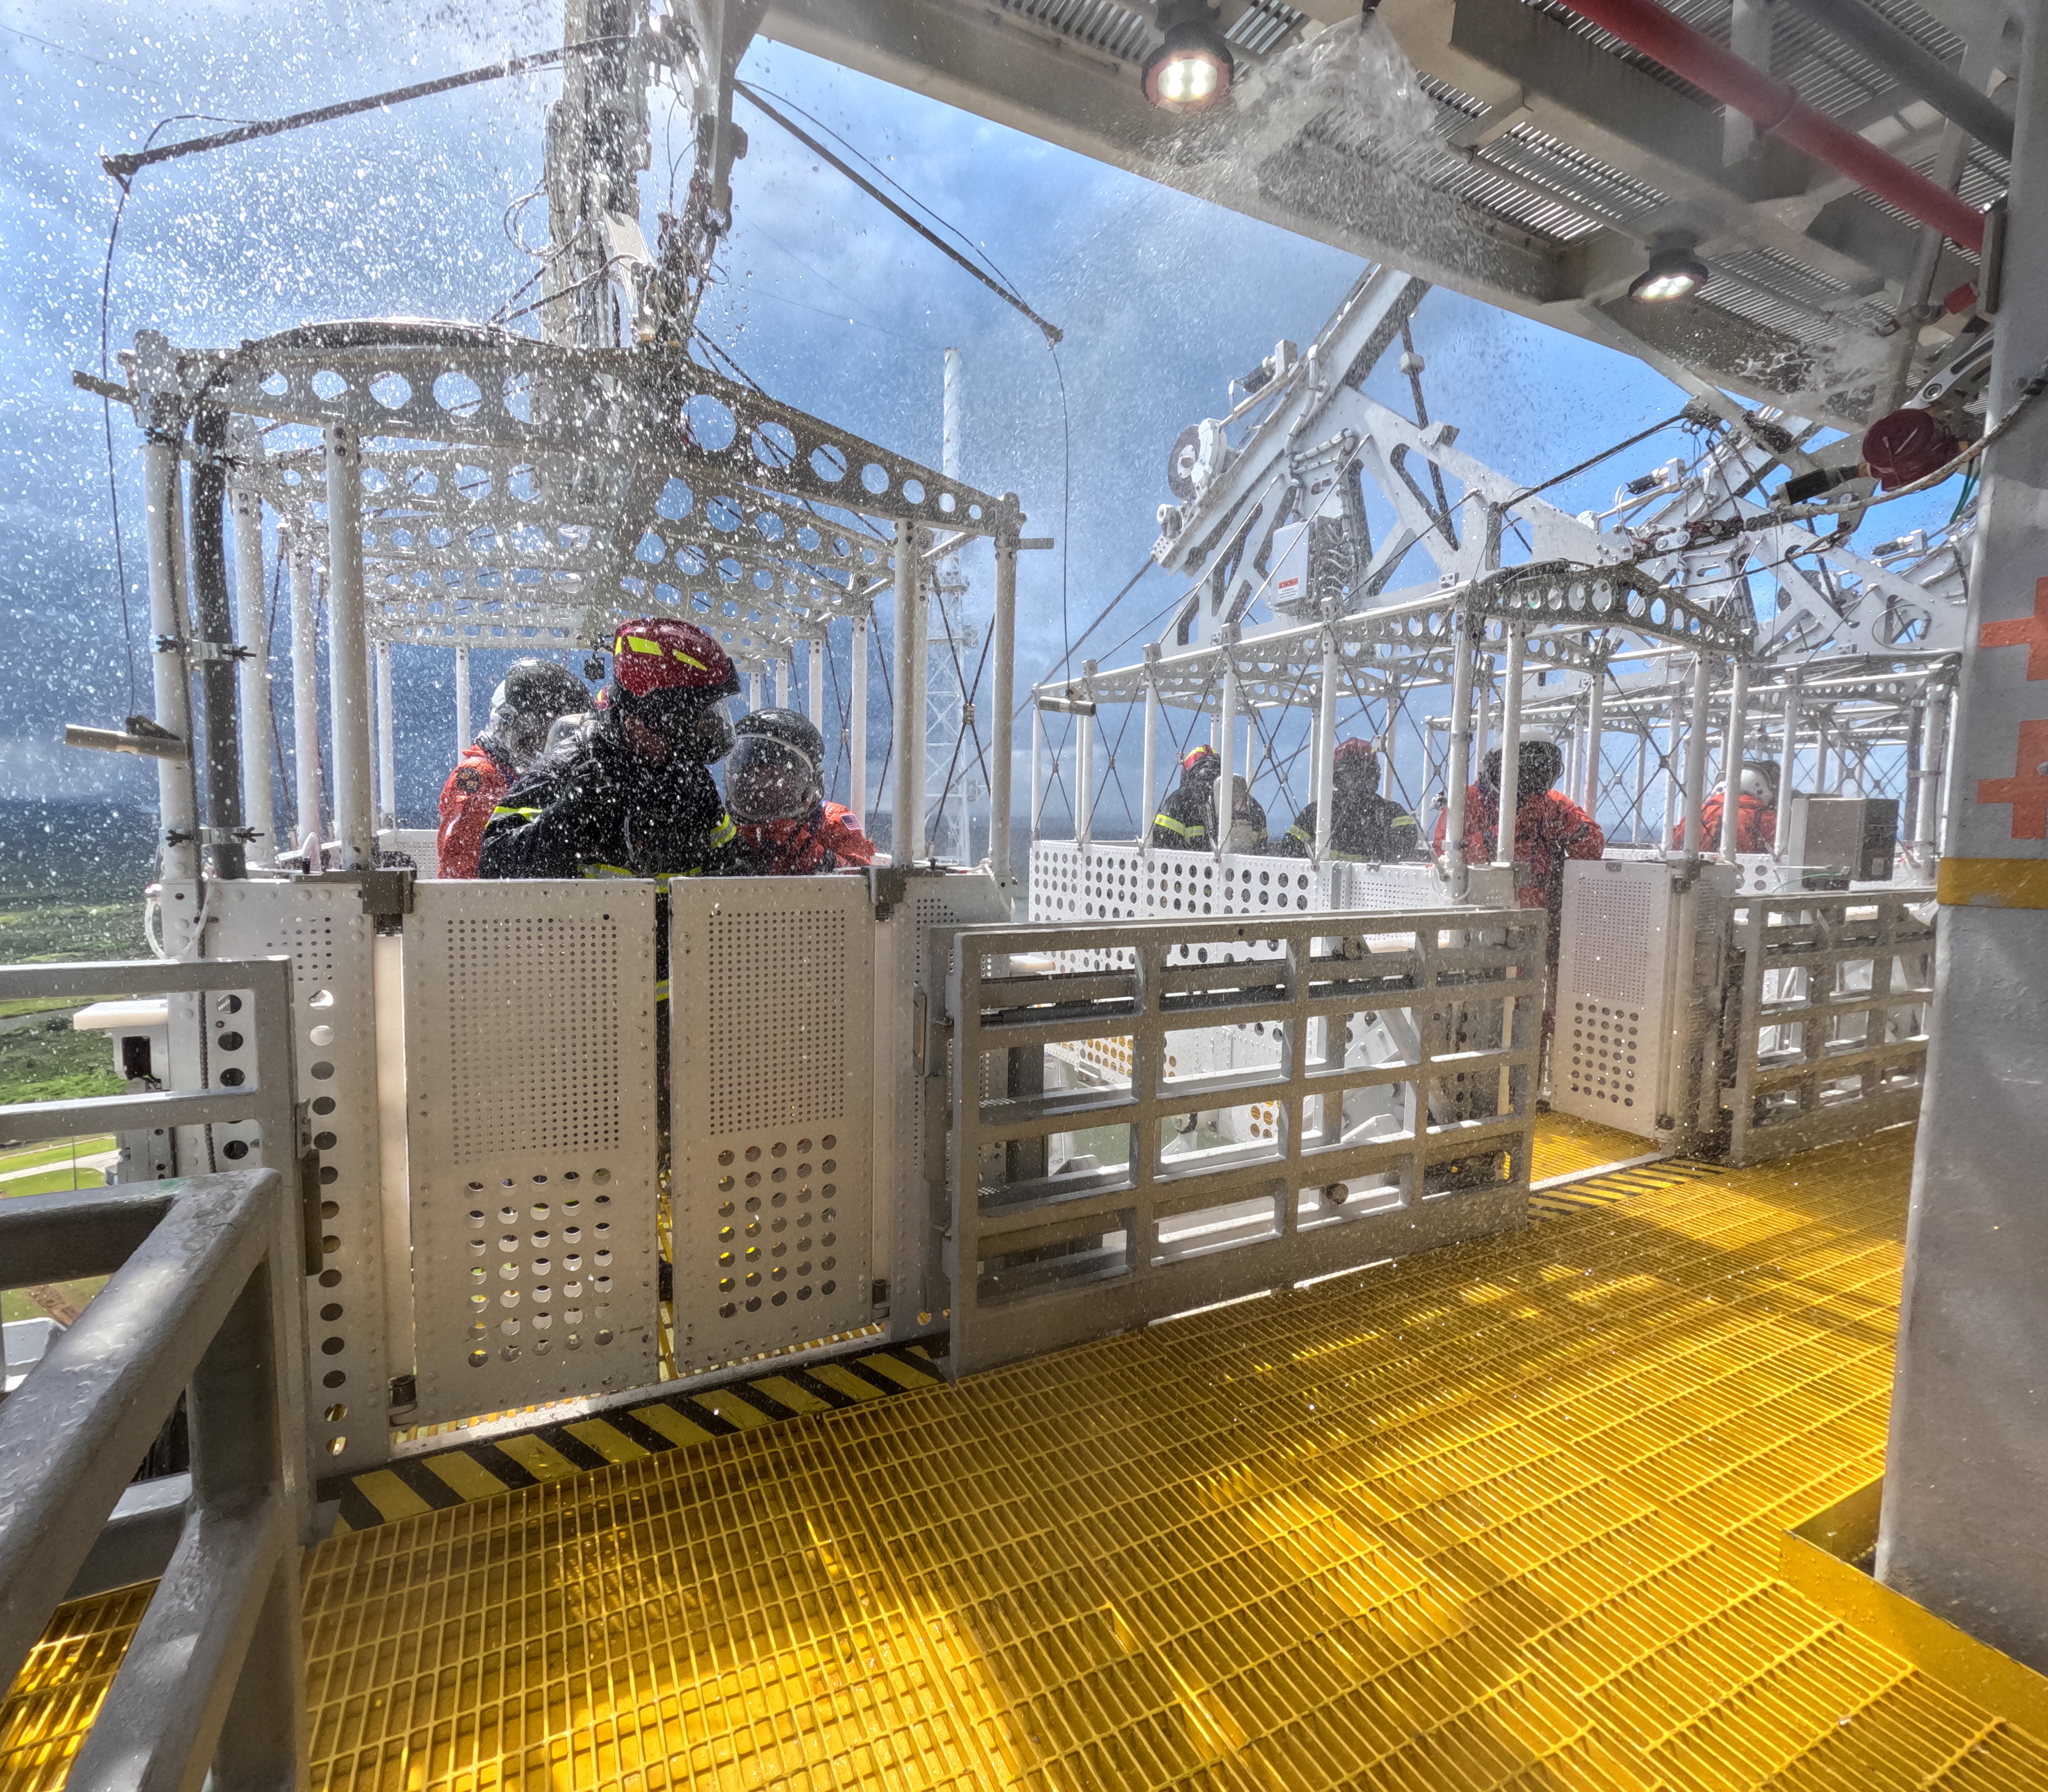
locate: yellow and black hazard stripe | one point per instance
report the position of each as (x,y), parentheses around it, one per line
(435,1480)
(1601,1188)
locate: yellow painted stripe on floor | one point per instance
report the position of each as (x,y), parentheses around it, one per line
(543,1461)
(391,1497)
(899,1372)
(613,1445)
(672,1424)
(832,1374)
(729,1405)
(466,1476)
(797,1399)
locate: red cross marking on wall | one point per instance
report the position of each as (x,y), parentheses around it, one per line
(2030,632)
(2026,791)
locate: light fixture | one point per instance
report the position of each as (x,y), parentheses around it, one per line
(1192,68)
(1674,271)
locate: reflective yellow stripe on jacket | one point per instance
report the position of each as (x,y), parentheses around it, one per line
(1191,832)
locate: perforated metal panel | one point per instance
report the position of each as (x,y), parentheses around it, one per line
(1607,1050)
(1122,882)
(531,1126)
(322,928)
(771,1106)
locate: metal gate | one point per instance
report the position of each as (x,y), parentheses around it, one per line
(1084,1210)
(1832,1034)
(531,1126)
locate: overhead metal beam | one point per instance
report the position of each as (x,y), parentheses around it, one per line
(1015,71)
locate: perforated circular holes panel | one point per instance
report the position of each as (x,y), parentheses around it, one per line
(777,1234)
(1602,1053)
(785,995)
(520,1089)
(540,1267)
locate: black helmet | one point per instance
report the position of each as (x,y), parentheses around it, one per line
(1538,765)
(531,694)
(777,768)
(539,688)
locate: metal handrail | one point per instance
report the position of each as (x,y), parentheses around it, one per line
(205,1298)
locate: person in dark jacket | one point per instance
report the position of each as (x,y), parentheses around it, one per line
(635,797)
(533,695)
(1365,827)
(775,786)
(1186,820)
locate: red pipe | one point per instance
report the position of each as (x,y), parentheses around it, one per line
(1777,108)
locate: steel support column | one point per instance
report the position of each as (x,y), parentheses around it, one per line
(1510,749)
(177,839)
(309,785)
(1226,790)
(1324,779)
(856,787)
(463,736)
(252,631)
(347,661)
(1459,771)
(1731,762)
(1695,754)
(1968,1450)
(387,742)
(907,835)
(1148,797)
(1002,705)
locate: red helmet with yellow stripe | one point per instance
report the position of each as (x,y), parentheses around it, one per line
(658,654)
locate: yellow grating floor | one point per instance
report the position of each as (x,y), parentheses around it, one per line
(1499,1517)
(1565,1146)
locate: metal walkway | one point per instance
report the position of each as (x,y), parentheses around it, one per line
(1503,1516)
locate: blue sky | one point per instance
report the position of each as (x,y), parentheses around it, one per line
(825,299)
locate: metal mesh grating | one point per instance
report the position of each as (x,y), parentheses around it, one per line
(1502,1518)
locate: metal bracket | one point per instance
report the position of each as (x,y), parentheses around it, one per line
(386,893)
(204,650)
(887,884)
(404,1393)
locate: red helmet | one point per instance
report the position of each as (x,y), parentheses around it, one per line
(1357,757)
(1203,762)
(656,653)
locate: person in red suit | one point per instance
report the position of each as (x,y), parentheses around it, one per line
(533,695)
(1549,830)
(775,786)
(1755,812)
(1548,827)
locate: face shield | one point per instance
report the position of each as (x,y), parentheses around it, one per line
(769,780)
(521,731)
(694,729)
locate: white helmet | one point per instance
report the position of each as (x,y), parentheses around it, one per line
(1758,781)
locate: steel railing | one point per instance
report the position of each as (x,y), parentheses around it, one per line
(205,1299)
(1042,1253)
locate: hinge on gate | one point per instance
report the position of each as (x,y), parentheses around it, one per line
(879,1295)
(404,1392)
